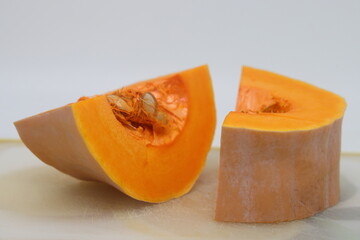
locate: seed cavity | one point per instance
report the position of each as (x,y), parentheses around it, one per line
(256,101)
(138,111)
(153,112)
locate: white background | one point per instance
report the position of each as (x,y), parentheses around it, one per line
(52,52)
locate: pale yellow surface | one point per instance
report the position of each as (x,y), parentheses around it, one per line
(38,202)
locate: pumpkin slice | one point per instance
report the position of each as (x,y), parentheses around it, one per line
(143,139)
(280,150)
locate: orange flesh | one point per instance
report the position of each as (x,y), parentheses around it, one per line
(153,165)
(170,104)
(271,102)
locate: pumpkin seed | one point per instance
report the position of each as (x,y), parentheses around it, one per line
(120,103)
(149,103)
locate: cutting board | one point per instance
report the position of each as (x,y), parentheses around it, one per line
(38,202)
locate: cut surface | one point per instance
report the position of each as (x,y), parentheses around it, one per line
(147,163)
(268,101)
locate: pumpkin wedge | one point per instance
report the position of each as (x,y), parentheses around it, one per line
(143,139)
(280,150)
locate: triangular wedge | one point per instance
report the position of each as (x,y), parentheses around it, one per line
(149,140)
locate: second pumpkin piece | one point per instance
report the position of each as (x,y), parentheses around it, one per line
(280,150)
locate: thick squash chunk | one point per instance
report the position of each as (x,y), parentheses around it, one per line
(280,150)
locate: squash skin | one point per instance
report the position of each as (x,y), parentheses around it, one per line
(62,146)
(63,139)
(277,176)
